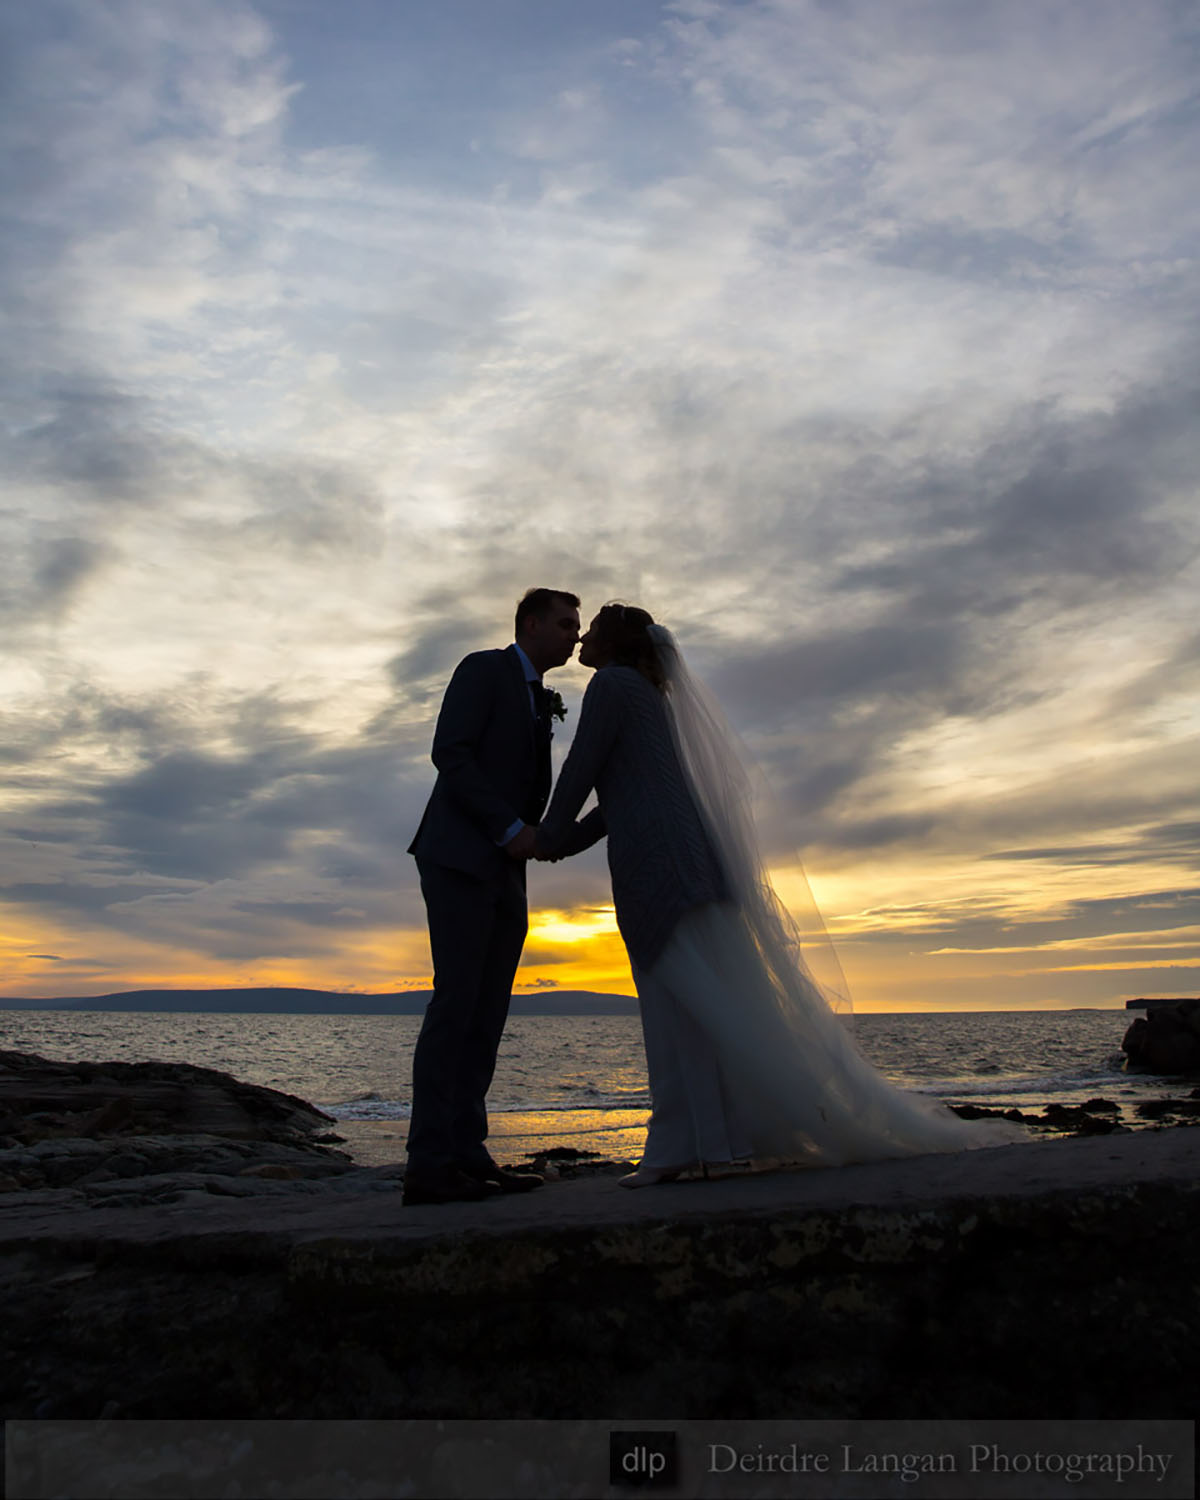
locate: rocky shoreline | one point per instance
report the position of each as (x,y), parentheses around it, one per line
(176,1243)
(140,1132)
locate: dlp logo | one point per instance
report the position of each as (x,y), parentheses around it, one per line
(645,1460)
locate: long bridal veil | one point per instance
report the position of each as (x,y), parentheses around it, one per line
(747,971)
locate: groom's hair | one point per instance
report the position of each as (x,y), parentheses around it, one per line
(540,602)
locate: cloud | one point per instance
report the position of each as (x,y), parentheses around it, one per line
(855,342)
(978,121)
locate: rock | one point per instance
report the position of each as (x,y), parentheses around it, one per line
(1093,1117)
(40,1100)
(985,1112)
(565,1162)
(81,1124)
(1159,1109)
(280,1171)
(66,1163)
(1078,1119)
(1166,1040)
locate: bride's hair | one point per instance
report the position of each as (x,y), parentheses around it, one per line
(623,631)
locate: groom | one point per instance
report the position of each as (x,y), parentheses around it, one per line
(492,751)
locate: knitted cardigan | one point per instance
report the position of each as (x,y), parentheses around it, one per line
(659,855)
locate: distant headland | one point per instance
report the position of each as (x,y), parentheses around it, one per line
(281,1000)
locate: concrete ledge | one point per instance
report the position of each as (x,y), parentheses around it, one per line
(1049,1279)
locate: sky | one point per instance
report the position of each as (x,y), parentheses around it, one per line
(858,342)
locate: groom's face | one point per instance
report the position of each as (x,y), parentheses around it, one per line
(552,636)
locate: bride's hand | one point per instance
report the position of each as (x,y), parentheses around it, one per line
(540,854)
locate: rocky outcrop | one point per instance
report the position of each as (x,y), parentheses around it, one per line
(1171,1111)
(43,1100)
(1165,1040)
(1092,1117)
(99,1124)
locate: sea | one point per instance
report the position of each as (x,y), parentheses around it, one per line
(579,1082)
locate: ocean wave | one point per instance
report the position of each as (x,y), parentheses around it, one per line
(590,1098)
(960,1087)
(368,1107)
(595,1101)
(372,1107)
(571,1099)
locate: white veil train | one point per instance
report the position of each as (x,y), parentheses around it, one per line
(802,1089)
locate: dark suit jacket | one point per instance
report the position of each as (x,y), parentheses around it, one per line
(490,772)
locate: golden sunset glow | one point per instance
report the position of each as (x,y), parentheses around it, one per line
(579,950)
(571,927)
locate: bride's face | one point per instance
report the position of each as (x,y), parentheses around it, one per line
(591,652)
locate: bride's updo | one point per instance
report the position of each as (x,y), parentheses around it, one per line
(622,631)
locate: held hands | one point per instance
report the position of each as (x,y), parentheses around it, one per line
(521,845)
(525,845)
(539,851)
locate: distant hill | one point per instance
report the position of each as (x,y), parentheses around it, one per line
(278,1000)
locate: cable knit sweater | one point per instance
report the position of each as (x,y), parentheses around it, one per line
(659,855)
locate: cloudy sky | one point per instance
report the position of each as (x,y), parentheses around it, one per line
(856,341)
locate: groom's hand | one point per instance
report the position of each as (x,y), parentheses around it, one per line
(520,846)
(539,852)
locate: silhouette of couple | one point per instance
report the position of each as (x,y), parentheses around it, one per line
(746,1059)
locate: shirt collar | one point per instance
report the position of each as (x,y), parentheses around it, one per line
(531,672)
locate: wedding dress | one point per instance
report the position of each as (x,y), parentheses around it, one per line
(746,1054)
(765,1065)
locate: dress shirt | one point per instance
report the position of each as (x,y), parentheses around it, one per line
(531,676)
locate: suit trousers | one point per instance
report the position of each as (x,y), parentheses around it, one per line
(476,933)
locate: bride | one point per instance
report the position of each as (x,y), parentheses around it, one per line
(745,1055)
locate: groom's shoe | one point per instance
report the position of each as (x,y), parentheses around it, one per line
(493,1176)
(443,1185)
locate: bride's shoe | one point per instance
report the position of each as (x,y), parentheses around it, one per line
(740,1167)
(652,1176)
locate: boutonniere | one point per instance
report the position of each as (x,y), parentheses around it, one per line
(558,709)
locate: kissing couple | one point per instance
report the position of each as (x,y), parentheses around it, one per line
(746,1059)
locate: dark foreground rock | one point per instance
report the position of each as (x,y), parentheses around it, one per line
(1050,1279)
(45,1100)
(1165,1040)
(1092,1117)
(1171,1111)
(104,1125)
